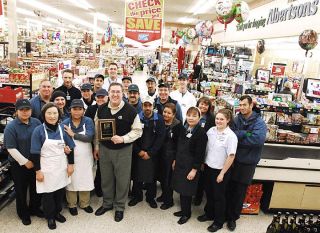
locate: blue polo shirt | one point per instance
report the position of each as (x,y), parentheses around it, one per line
(39,136)
(17,135)
(84,121)
(36,105)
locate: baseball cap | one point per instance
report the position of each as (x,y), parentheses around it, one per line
(148,99)
(99,76)
(101,92)
(133,87)
(183,76)
(127,78)
(23,103)
(86,86)
(164,85)
(150,79)
(77,103)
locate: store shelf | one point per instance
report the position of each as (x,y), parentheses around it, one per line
(15,84)
(308,146)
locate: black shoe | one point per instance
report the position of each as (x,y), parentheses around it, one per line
(134,201)
(183,220)
(197,201)
(160,199)
(204,218)
(98,192)
(178,214)
(231,225)
(52,224)
(73,211)
(153,204)
(39,213)
(60,218)
(213,228)
(166,206)
(118,216)
(26,221)
(102,210)
(88,209)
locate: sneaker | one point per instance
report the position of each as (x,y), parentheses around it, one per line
(231,225)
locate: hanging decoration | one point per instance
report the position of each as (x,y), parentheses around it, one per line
(224,7)
(108,33)
(225,20)
(308,40)
(242,11)
(204,29)
(260,46)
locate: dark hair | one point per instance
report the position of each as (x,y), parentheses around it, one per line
(207,101)
(194,109)
(227,114)
(113,64)
(68,71)
(246,97)
(46,107)
(115,84)
(171,106)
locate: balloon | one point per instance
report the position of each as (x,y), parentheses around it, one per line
(241,11)
(191,33)
(260,46)
(225,21)
(208,29)
(224,7)
(180,33)
(199,27)
(308,40)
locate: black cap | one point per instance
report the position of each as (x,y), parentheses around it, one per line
(76,103)
(164,85)
(23,103)
(58,94)
(133,87)
(86,86)
(183,76)
(101,92)
(150,79)
(127,78)
(99,76)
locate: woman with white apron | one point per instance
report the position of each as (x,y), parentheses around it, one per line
(52,155)
(81,129)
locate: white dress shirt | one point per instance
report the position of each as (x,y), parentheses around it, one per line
(185,100)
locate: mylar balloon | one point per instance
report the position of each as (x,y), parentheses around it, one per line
(191,33)
(199,28)
(308,40)
(225,21)
(241,11)
(224,7)
(180,33)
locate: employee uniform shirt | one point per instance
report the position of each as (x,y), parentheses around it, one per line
(36,104)
(108,81)
(185,100)
(72,93)
(17,135)
(220,145)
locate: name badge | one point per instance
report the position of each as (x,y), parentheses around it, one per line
(203,124)
(120,117)
(68,97)
(189,135)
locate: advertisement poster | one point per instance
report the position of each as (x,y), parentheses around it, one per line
(278,69)
(143,20)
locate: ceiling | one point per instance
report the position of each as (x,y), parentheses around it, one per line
(175,11)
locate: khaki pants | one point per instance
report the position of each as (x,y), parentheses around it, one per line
(72,198)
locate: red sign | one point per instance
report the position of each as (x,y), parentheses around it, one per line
(278,69)
(144,20)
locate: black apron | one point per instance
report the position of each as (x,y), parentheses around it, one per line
(144,170)
(184,162)
(167,155)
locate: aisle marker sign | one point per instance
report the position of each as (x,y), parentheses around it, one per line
(144,20)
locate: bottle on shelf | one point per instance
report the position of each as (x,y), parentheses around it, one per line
(274,226)
(284,226)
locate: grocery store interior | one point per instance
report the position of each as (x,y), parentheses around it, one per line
(267,49)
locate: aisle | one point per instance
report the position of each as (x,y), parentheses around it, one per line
(138,219)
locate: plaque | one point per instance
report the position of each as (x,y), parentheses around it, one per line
(106,129)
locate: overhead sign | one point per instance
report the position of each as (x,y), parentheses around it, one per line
(144,20)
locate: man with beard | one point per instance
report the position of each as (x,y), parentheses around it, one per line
(134,97)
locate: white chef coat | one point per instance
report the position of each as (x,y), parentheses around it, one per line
(186,101)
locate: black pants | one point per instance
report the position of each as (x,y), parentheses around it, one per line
(201,186)
(52,203)
(216,195)
(185,202)
(167,193)
(97,180)
(236,194)
(23,179)
(137,190)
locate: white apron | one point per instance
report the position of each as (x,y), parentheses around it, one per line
(54,164)
(82,178)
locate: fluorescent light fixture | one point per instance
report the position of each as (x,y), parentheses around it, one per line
(25,12)
(82,4)
(186,20)
(102,17)
(202,6)
(38,22)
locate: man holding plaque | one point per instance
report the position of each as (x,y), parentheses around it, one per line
(145,154)
(117,127)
